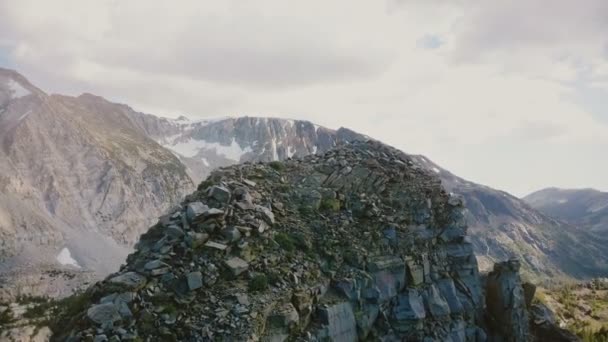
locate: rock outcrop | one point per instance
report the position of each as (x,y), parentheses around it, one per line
(359,243)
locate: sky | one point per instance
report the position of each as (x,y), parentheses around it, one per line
(511,94)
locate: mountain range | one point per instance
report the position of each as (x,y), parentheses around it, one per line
(585,208)
(81,178)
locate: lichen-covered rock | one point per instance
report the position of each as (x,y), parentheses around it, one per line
(356,244)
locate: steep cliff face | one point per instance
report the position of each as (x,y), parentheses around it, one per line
(78,184)
(207,144)
(357,243)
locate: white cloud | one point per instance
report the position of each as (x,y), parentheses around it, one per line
(468,83)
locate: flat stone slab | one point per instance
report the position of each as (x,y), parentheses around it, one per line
(104,314)
(237,265)
(131,280)
(216,245)
(195,280)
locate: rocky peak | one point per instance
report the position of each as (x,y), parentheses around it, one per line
(357,243)
(14,86)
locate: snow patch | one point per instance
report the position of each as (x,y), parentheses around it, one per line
(290,151)
(562,201)
(314,149)
(436,170)
(275,154)
(205,162)
(16,89)
(191,147)
(65,258)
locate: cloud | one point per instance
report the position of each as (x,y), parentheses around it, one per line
(227,42)
(476,85)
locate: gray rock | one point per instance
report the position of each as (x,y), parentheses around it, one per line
(216,245)
(213,212)
(339,323)
(154,264)
(389,275)
(195,280)
(284,318)
(159,271)
(231,234)
(409,307)
(436,305)
(505,302)
(130,280)
(104,314)
(448,291)
(174,231)
(220,194)
(236,265)
(267,214)
(194,210)
(415,273)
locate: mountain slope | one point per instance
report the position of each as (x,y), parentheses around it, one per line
(78,183)
(587,208)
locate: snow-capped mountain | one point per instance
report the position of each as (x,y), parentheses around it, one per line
(207,144)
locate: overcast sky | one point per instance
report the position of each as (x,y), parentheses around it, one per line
(511,94)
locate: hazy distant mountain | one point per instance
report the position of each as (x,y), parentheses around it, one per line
(587,208)
(502,225)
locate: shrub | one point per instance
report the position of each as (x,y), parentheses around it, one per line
(330,204)
(277,165)
(6,317)
(285,241)
(259,282)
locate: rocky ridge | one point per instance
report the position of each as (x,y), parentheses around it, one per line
(359,243)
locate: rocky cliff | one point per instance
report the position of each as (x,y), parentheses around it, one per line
(359,243)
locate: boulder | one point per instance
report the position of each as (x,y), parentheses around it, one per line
(194,210)
(130,280)
(104,314)
(219,193)
(338,323)
(236,265)
(195,280)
